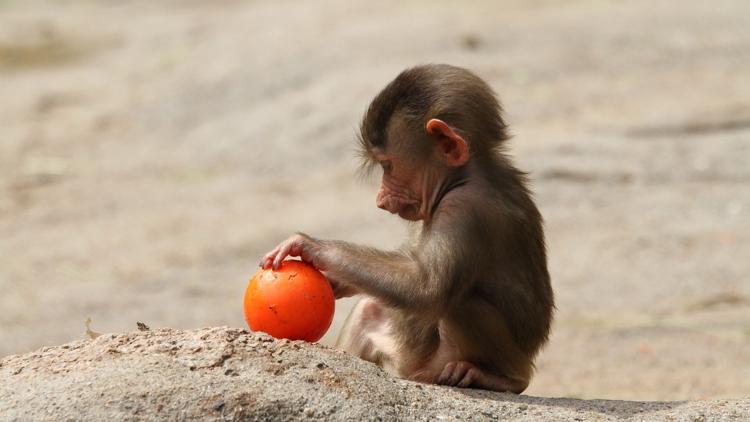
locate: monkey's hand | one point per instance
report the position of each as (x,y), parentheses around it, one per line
(342,290)
(300,245)
(310,250)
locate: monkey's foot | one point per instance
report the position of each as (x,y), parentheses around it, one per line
(465,374)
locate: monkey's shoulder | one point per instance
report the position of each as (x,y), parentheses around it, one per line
(484,217)
(473,202)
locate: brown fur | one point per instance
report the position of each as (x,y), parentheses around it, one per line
(473,284)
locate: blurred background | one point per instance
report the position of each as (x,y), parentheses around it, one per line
(151,152)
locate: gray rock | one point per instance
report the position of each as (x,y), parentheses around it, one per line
(232,374)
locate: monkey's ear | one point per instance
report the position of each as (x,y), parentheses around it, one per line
(452,146)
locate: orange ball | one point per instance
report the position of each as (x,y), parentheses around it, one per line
(295,302)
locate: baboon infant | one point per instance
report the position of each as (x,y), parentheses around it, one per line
(467,302)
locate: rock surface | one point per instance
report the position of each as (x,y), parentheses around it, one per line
(152,151)
(232,374)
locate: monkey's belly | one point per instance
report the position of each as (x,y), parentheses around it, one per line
(370,335)
(383,348)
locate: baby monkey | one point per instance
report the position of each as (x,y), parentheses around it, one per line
(467,301)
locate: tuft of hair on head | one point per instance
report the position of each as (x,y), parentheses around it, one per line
(366,163)
(434,91)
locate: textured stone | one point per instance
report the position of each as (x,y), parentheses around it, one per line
(232,374)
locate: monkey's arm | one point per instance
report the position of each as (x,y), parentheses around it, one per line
(396,277)
(421,276)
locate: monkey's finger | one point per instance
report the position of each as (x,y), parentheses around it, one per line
(280,256)
(284,251)
(458,374)
(468,379)
(295,249)
(446,374)
(265,262)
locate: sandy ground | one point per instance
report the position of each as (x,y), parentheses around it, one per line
(230,374)
(150,153)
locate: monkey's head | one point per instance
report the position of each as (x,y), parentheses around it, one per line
(426,124)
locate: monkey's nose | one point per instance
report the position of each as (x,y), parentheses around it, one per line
(381,200)
(383,205)
(384,202)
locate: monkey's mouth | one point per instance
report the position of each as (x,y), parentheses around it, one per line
(410,212)
(398,205)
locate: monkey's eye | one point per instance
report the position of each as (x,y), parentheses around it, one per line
(387,166)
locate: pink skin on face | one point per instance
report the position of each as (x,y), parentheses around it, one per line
(399,191)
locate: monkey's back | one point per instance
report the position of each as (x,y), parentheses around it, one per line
(505,317)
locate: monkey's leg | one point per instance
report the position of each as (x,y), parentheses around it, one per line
(366,333)
(465,374)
